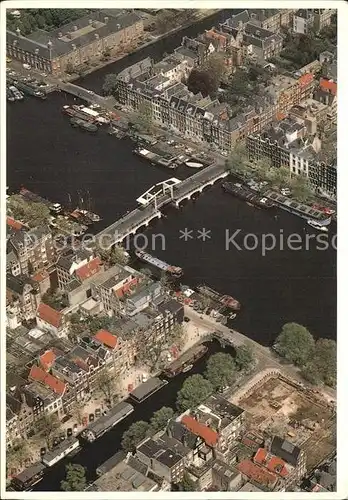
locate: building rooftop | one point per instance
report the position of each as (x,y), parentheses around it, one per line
(49,315)
(250,488)
(257,474)
(78,33)
(285,450)
(156,451)
(123,477)
(106,338)
(48,380)
(208,435)
(90,269)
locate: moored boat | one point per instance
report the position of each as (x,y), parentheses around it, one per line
(245,193)
(160,264)
(317,225)
(185,362)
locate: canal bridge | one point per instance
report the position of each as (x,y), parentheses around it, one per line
(163,193)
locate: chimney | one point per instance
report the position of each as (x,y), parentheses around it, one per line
(106,20)
(96,36)
(18,31)
(49,44)
(60,35)
(118,26)
(90,21)
(37,51)
(14,43)
(73,46)
(75,28)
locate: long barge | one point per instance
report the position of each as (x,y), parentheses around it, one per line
(296,208)
(146,389)
(224,300)
(99,427)
(248,195)
(174,271)
(186,360)
(27,479)
(155,158)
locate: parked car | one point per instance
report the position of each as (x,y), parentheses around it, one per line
(84,421)
(42,451)
(62,437)
(75,429)
(91,417)
(186,319)
(98,412)
(69,432)
(56,442)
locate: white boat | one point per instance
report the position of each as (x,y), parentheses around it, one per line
(187,368)
(232,316)
(194,164)
(317,225)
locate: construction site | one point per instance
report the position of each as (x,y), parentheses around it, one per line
(278,406)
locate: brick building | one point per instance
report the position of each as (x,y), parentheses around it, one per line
(82,41)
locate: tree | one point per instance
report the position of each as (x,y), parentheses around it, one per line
(178,336)
(195,389)
(322,366)
(106,383)
(187,484)
(220,370)
(77,411)
(143,121)
(160,419)
(18,454)
(118,256)
(295,343)
(110,84)
(136,433)
(239,88)
(75,479)
(244,357)
(37,214)
(202,81)
(47,426)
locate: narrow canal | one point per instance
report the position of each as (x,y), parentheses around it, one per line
(93,455)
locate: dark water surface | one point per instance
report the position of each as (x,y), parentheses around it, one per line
(49,157)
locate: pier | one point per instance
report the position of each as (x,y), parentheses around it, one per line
(166,192)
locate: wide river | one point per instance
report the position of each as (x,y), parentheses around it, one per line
(290,283)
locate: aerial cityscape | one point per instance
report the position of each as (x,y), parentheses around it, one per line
(171,219)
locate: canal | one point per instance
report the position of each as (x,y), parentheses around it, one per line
(93,455)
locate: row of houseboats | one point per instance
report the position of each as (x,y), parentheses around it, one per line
(316,216)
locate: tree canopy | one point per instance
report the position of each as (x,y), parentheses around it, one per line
(160,419)
(136,433)
(295,343)
(187,484)
(47,426)
(322,365)
(46,19)
(75,479)
(203,81)
(110,84)
(244,357)
(195,389)
(220,370)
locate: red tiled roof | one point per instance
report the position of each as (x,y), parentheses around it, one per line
(40,276)
(260,456)
(90,269)
(47,359)
(256,473)
(305,79)
(106,338)
(271,462)
(14,223)
(48,314)
(52,382)
(278,466)
(210,437)
(328,85)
